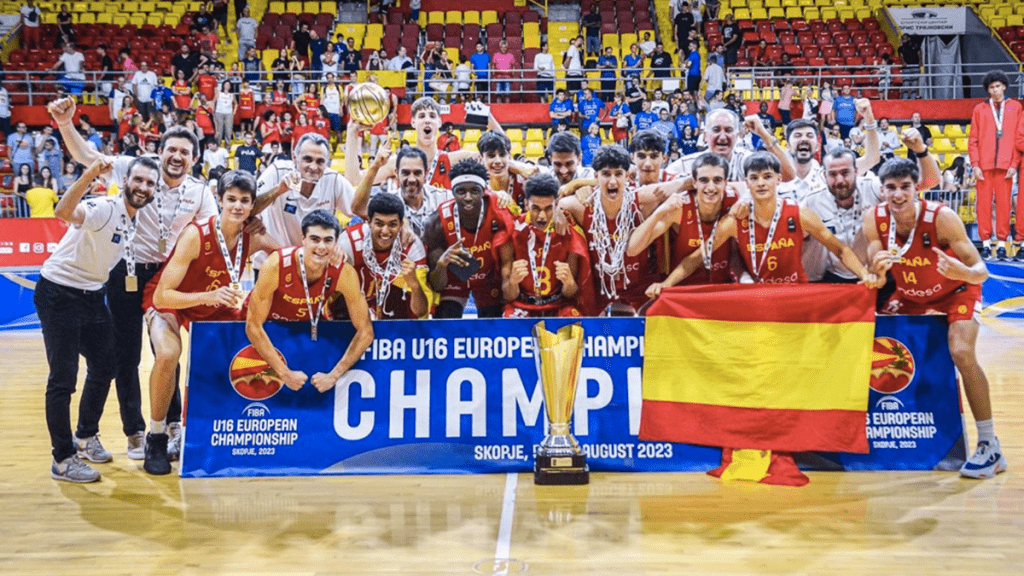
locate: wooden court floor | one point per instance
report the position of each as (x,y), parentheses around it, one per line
(892,523)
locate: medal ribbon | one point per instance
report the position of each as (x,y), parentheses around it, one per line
(234,268)
(767,242)
(313,320)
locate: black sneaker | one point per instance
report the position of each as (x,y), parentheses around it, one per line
(1001,254)
(1020,254)
(157,462)
(986,252)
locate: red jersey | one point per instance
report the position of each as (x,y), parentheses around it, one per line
(307,104)
(398,303)
(448,143)
(278,102)
(547,298)
(299,131)
(286,128)
(688,239)
(783,264)
(290,301)
(207,86)
(438,177)
(204,119)
(630,287)
(321,126)
(483,244)
(206,273)
(246,105)
(917,275)
(270,132)
(182,94)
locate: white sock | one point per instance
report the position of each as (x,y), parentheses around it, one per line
(986,431)
(158,426)
(988,243)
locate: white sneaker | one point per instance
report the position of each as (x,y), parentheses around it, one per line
(137,445)
(72,469)
(175,438)
(987,461)
(91,449)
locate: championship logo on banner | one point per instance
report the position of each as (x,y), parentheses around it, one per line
(930,21)
(461,396)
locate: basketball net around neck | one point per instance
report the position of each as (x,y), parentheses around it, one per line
(611,253)
(385,275)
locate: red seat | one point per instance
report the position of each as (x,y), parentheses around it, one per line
(805,38)
(798,25)
(792,49)
(787,38)
(435,32)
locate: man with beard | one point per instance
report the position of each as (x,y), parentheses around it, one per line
(180,199)
(850,189)
(298,283)
(771,236)
(694,220)
(292,189)
(462,242)
(539,267)
(608,218)
(805,143)
(722,131)
(200,281)
(391,275)
(938,271)
(426,121)
(421,200)
(69,301)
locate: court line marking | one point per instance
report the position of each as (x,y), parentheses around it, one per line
(508,509)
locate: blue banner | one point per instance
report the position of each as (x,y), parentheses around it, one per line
(461,396)
(16,291)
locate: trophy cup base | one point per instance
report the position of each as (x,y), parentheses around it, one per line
(561,470)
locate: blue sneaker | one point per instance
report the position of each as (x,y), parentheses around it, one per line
(986,253)
(1001,254)
(987,461)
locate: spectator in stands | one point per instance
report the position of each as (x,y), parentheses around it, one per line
(401,61)
(448,141)
(633,63)
(608,65)
(662,65)
(462,75)
(71,61)
(317,47)
(620,115)
(683,23)
(68,177)
(645,119)
(591,24)
(572,63)
(844,111)
(42,197)
(635,95)
(658,102)
(300,40)
(247,155)
(20,148)
(208,44)
(50,157)
(884,75)
(214,156)
(648,45)
(768,121)
(926,134)
(124,58)
(888,140)
(560,110)
(665,126)
(711,8)
(544,64)
(786,93)
(246,28)
(414,10)
(23,182)
(219,15)
(731,39)
(590,143)
(694,73)
(910,54)
(252,67)
(143,82)
(688,141)
(65,22)
(31,17)
(202,19)
(106,83)
(224,113)
(481,62)
(504,62)
(376,61)
(591,109)
(714,77)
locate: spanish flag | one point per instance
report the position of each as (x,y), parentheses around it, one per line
(768,368)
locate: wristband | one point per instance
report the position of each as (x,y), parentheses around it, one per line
(872,126)
(923,154)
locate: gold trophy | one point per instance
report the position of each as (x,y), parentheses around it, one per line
(559,356)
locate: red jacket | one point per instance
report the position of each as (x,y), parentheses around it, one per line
(985,152)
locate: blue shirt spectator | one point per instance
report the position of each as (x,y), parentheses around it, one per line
(633,63)
(666,127)
(481,63)
(590,108)
(590,144)
(611,63)
(560,105)
(645,119)
(684,120)
(845,109)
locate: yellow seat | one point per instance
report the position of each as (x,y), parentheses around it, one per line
(534,135)
(471,17)
(375,30)
(453,17)
(514,134)
(609,41)
(794,12)
(294,7)
(471,146)
(409,136)
(472,135)
(155,19)
(742,14)
(812,13)
(87,18)
(829,13)
(776,13)
(435,17)
(276,7)
(488,17)
(137,19)
(534,149)
(517,148)
(772,3)
(80,7)
(147,7)
(311,7)
(372,43)
(104,18)
(120,20)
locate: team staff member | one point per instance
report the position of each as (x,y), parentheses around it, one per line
(462,242)
(180,199)
(771,237)
(299,283)
(391,275)
(200,281)
(937,271)
(539,267)
(69,301)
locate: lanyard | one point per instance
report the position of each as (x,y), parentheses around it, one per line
(531,247)
(896,252)
(165,229)
(234,268)
(129,251)
(384,276)
(479,220)
(707,248)
(767,242)
(998,116)
(313,320)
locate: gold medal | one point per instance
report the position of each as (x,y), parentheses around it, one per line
(162,245)
(131,283)
(312,332)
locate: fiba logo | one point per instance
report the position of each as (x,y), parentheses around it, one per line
(892,366)
(251,376)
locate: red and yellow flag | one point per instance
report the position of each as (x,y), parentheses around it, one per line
(782,368)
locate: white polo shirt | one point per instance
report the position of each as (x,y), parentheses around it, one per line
(684,165)
(283,217)
(799,188)
(432,198)
(845,223)
(87,253)
(178,207)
